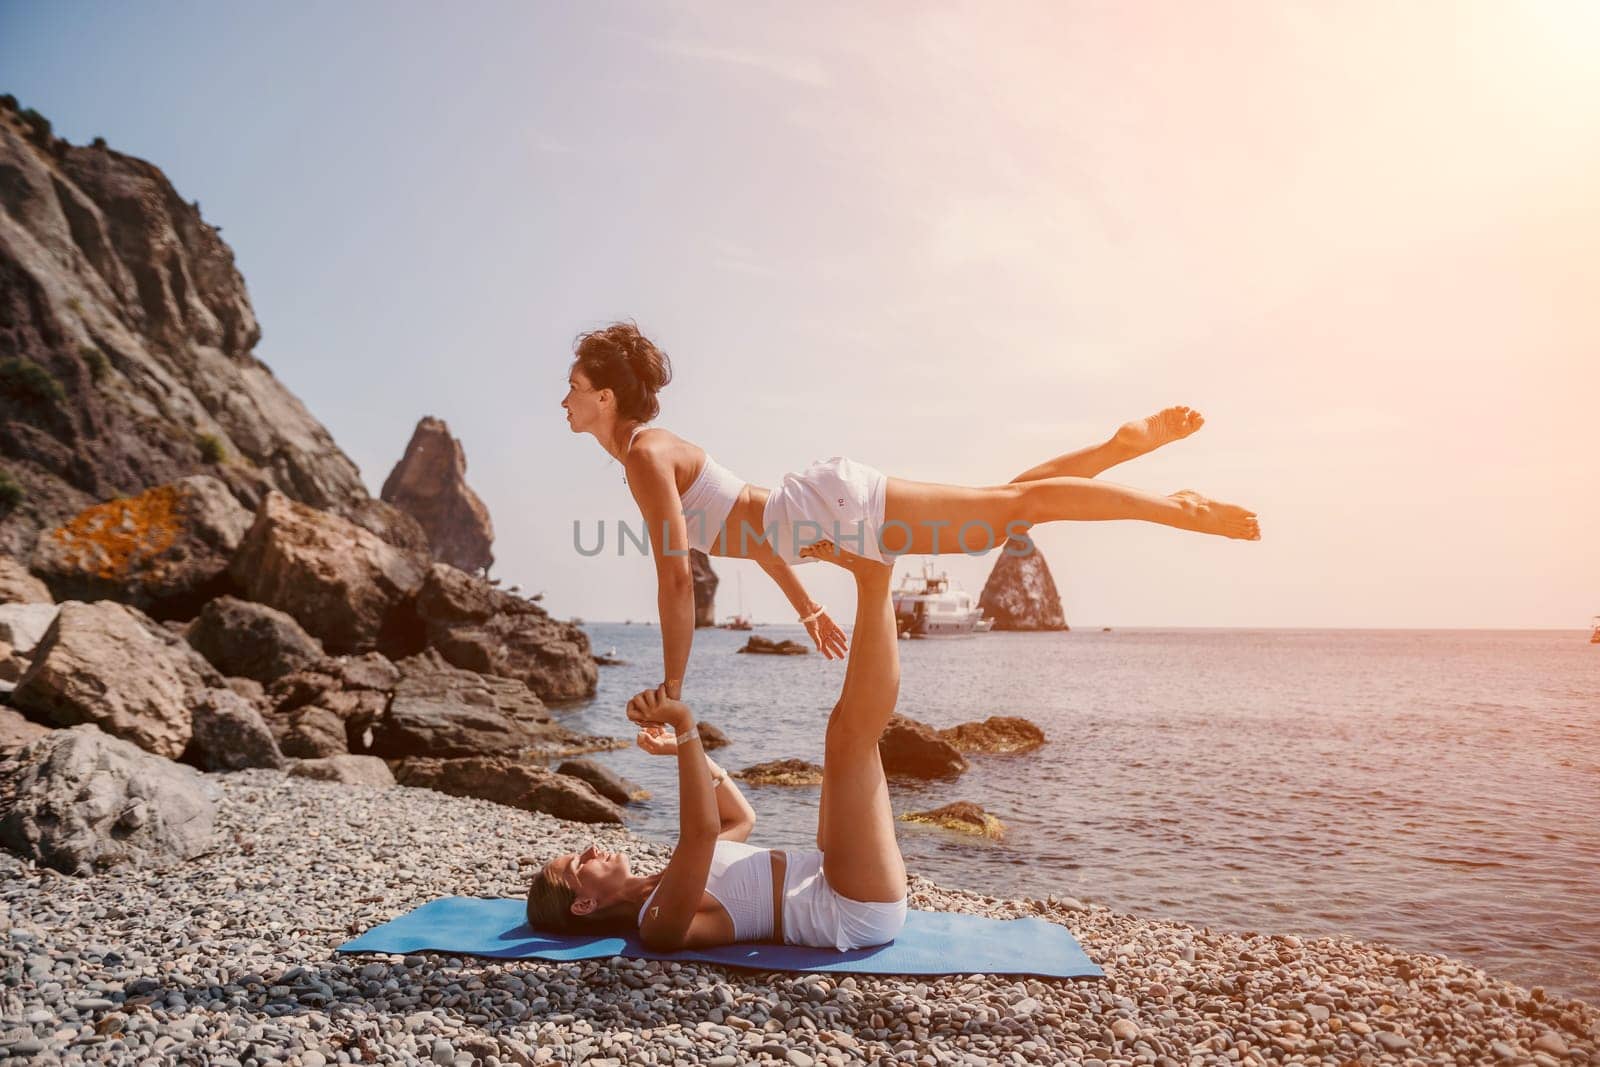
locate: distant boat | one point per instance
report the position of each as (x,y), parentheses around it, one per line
(929,606)
(983,625)
(1594,638)
(740,621)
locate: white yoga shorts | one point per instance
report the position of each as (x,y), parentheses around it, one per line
(815,915)
(834,499)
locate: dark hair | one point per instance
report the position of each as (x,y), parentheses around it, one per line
(622,359)
(550,908)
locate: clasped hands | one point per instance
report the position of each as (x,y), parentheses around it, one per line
(661,719)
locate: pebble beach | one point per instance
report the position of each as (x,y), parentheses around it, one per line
(229,960)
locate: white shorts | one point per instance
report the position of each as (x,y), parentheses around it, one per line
(834,499)
(815,914)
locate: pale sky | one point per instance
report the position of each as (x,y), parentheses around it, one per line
(1362,238)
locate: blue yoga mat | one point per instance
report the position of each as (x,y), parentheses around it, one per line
(931,942)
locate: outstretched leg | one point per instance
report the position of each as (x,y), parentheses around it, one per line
(855,824)
(1132,439)
(930,517)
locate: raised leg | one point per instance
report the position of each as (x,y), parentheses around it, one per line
(1132,439)
(930,517)
(855,824)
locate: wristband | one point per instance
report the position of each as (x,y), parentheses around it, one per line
(820,609)
(691,734)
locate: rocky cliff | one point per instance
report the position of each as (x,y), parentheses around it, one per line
(127,350)
(1020,594)
(705,588)
(430,484)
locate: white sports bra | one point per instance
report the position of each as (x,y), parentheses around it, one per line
(741,881)
(707,501)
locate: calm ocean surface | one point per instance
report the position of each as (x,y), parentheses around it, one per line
(1436,790)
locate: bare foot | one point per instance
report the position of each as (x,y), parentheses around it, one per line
(828,552)
(1212,517)
(1162,428)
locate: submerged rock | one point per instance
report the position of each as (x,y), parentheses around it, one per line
(764,645)
(963,817)
(996,734)
(781,772)
(83,801)
(1020,594)
(910,749)
(430,484)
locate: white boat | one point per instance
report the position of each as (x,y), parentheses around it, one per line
(931,605)
(740,621)
(1594,638)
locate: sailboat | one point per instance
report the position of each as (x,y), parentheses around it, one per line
(740,621)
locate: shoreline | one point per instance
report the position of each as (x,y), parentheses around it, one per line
(229,959)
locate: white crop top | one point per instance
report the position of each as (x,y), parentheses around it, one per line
(707,501)
(741,881)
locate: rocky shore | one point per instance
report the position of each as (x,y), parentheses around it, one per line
(229,959)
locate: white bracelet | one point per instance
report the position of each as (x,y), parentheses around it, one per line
(691,734)
(820,609)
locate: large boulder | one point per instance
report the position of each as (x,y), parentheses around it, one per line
(705,588)
(19,586)
(339,581)
(1020,594)
(83,801)
(165,551)
(607,782)
(910,749)
(23,626)
(479,628)
(351,770)
(510,781)
(230,735)
(430,484)
(109,664)
(1006,734)
(444,711)
(315,732)
(247,640)
(16,730)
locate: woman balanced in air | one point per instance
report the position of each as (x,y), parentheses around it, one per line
(689,500)
(850,892)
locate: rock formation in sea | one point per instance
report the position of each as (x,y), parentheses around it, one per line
(705,588)
(1020,594)
(430,484)
(127,350)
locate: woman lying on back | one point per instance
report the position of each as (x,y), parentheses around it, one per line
(848,893)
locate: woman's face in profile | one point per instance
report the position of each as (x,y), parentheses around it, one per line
(582,402)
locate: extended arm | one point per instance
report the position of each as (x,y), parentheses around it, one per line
(651,482)
(666,926)
(829,638)
(734,813)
